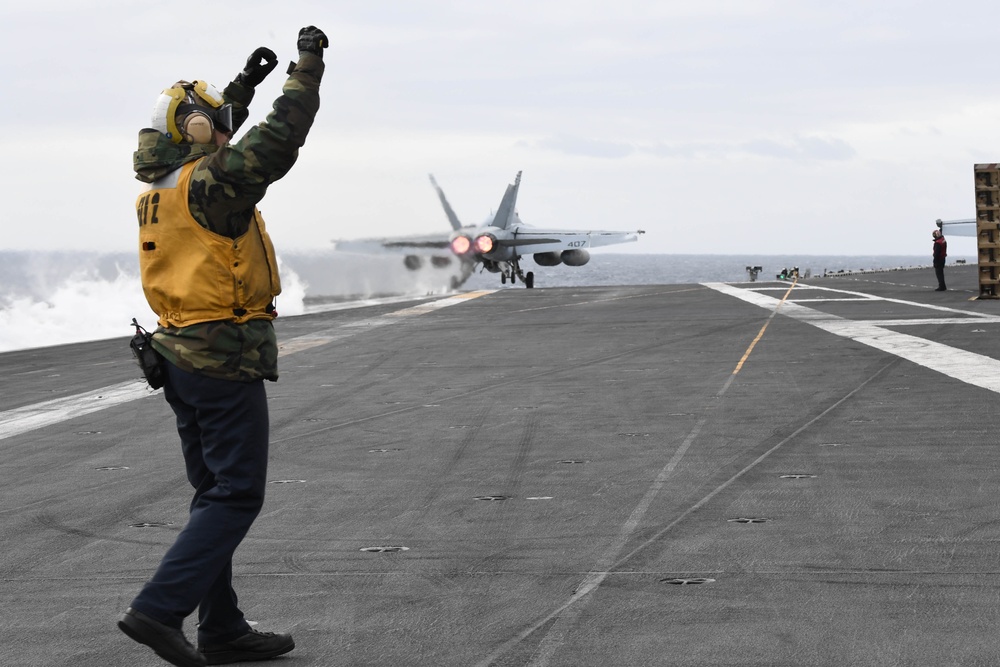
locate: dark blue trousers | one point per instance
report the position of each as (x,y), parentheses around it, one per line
(939,272)
(223,426)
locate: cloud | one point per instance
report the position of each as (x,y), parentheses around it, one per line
(628,111)
(586,147)
(809,148)
(796,148)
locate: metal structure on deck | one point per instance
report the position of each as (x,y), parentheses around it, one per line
(987,178)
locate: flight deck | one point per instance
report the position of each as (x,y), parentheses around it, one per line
(760,473)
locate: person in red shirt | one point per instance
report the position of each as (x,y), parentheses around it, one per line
(940,252)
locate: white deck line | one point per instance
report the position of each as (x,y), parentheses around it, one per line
(39,415)
(969,367)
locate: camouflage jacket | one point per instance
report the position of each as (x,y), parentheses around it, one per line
(225,187)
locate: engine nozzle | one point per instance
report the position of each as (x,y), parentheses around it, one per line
(485,243)
(461,245)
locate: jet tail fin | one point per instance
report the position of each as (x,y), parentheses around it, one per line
(507,211)
(452,218)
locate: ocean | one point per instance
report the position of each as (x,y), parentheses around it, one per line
(51,298)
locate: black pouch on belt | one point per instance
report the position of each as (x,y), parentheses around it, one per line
(149,360)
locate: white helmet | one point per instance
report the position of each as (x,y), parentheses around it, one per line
(198,107)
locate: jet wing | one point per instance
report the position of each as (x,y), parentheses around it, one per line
(555,240)
(417,244)
(436,244)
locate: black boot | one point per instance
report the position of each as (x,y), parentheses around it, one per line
(254,645)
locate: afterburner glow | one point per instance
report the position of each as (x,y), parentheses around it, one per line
(460,245)
(485,243)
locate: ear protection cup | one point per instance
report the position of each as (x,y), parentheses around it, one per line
(198,128)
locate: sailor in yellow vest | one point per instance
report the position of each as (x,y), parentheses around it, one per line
(209,272)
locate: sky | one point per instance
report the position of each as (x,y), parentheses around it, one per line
(717,126)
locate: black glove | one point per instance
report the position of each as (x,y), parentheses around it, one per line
(256,70)
(313,40)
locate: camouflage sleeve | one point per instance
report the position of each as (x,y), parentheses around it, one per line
(240,97)
(227,185)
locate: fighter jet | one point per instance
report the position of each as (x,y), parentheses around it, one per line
(500,244)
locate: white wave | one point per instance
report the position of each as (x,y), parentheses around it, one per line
(84,306)
(291,301)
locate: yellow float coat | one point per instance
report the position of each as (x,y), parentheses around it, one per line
(192,275)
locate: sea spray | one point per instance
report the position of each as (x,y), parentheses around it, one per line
(50,304)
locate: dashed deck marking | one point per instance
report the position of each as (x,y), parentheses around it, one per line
(760,335)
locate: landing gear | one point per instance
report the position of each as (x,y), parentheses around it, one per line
(513,271)
(527,278)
